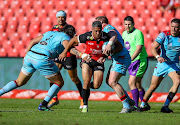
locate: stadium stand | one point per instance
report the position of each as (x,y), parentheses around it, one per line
(20,21)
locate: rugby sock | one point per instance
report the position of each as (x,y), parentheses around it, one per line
(85,96)
(54,89)
(127,95)
(8,87)
(169,98)
(79,87)
(55,96)
(141,94)
(88,93)
(125,101)
(135,94)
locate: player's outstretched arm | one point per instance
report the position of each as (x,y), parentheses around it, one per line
(73,42)
(33,42)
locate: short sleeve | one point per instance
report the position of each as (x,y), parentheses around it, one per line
(82,38)
(108,28)
(46,33)
(65,37)
(160,38)
(139,38)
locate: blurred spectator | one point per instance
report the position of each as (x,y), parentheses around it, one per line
(169,5)
(177,4)
(166,5)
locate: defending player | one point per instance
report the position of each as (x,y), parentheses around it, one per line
(39,54)
(134,43)
(70,63)
(168,64)
(120,63)
(94,41)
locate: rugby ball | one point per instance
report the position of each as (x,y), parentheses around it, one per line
(104,45)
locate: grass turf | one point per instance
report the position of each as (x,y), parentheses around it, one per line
(24,112)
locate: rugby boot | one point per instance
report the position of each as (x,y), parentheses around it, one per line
(165,109)
(53,102)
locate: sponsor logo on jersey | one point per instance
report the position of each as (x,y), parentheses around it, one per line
(91,38)
(95,51)
(89,43)
(43,43)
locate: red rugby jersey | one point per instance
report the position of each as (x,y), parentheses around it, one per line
(94,47)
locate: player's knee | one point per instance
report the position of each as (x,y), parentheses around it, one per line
(96,86)
(153,87)
(112,83)
(60,83)
(20,83)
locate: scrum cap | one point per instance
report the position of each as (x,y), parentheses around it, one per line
(61,13)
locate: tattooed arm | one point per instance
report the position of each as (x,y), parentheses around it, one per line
(84,56)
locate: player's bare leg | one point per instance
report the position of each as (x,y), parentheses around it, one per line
(113,82)
(86,75)
(54,100)
(54,89)
(73,75)
(20,81)
(172,92)
(97,78)
(155,82)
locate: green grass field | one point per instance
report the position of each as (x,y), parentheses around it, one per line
(24,112)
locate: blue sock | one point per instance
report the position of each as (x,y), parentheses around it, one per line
(169,98)
(127,95)
(52,91)
(8,87)
(126,103)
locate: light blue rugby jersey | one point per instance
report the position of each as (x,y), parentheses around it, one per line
(51,44)
(124,51)
(170,47)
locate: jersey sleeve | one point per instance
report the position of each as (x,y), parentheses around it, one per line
(82,38)
(160,38)
(139,38)
(65,37)
(108,28)
(46,33)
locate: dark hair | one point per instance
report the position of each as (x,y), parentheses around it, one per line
(97,24)
(175,20)
(129,18)
(104,19)
(70,30)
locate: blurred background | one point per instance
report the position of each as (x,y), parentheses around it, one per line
(22,20)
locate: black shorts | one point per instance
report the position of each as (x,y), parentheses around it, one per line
(69,64)
(94,65)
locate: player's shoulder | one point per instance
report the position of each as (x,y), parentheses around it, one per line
(167,32)
(87,33)
(55,27)
(138,32)
(109,27)
(124,33)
